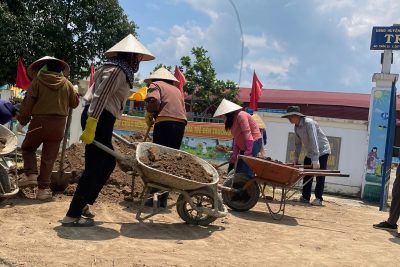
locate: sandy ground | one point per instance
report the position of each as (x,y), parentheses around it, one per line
(339,234)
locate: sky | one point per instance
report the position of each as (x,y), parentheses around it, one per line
(316,45)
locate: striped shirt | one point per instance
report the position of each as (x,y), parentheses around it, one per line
(110,92)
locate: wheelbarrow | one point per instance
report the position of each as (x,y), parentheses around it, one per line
(8,163)
(198,203)
(241,193)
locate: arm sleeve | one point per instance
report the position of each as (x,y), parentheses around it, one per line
(153,92)
(313,141)
(297,149)
(245,128)
(25,111)
(73,97)
(110,81)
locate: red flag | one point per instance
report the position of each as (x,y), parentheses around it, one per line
(91,81)
(22,80)
(255,92)
(181,78)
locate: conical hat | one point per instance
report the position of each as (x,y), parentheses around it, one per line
(130,45)
(225,107)
(161,74)
(259,121)
(38,64)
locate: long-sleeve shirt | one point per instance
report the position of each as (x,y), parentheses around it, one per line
(172,106)
(244,128)
(309,134)
(110,92)
(50,93)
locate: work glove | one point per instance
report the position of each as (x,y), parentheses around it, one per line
(19,128)
(249,148)
(90,129)
(315,165)
(148,117)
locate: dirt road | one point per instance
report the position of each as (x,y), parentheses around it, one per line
(339,234)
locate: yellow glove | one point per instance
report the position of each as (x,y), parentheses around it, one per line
(148,117)
(90,129)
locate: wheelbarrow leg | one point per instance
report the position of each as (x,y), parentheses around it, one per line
(277,215)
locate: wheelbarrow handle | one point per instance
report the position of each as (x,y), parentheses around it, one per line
(317,173)
(109,150)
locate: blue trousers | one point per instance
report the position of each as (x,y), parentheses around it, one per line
(241,166)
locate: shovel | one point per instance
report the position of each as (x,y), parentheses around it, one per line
(60,179)
(146,135)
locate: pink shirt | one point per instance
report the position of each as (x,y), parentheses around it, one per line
(244,128)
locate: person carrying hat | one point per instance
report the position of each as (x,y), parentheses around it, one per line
(45,107)
(263,131)
(317,150)
(104,103)
(166,110)
(247,139)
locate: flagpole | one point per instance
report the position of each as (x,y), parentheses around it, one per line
(241,40)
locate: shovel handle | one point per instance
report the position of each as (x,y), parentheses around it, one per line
(147,133)
(120,138)
(109,150)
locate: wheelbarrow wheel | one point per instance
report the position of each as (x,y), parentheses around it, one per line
(203,198)
(4,181)
(243,200)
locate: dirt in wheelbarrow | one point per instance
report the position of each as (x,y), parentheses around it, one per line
(179,164)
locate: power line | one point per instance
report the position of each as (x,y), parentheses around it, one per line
(241,39)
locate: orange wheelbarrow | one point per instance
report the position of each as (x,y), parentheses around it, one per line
(241,193)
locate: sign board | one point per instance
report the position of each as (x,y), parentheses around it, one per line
(333,160)
(385,38)
(193,129)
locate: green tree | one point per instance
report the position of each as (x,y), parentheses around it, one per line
(201,82)
(162,66)
(78,32)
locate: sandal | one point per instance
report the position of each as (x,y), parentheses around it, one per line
(86,212)
(79,222)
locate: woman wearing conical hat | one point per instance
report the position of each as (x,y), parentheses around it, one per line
(247,139)
(105,102)
(166,109)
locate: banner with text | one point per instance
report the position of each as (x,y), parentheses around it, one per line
(193,129)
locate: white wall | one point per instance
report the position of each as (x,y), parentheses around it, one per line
(353,150)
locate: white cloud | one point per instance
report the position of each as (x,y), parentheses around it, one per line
(358,17)
(273,73)
(156,31)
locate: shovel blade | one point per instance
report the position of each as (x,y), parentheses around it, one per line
(60,181)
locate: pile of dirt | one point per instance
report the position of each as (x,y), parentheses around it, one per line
(179,164)
(122,184)
(222,148)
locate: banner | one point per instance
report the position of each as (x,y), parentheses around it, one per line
(193,129)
